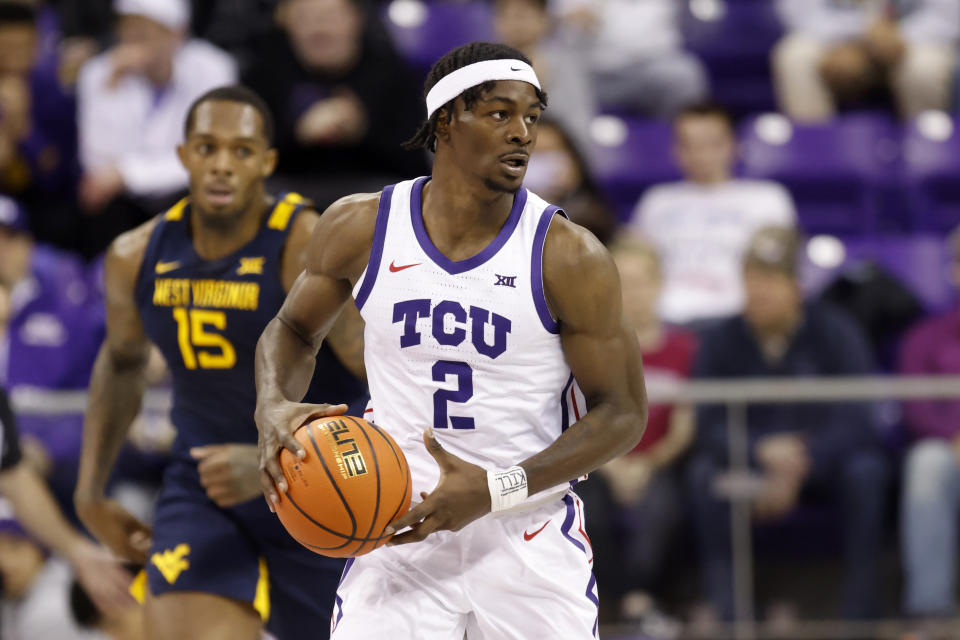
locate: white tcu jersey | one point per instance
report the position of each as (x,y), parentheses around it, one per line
(467,347)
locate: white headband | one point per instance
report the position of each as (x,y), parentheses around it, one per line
(452,85)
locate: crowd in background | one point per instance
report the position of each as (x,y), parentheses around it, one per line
(93,95)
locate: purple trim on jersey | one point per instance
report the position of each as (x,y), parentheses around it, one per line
(536,269)
(376,251)
(454,267)
(568,523)
(565,530)
(564,411)
(595,600)
(339,600)
(346,569)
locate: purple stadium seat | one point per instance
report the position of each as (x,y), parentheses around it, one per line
(838,173)
(919,261)
(734,39)
(424,31)
(642,158)
(931,171)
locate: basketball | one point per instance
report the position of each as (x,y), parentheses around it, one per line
(353,482)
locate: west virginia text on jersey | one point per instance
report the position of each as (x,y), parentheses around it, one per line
(215,294)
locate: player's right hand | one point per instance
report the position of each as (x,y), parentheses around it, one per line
(277,423)
(117,528)
(102,576)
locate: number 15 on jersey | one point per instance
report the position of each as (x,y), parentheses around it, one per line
(199,346)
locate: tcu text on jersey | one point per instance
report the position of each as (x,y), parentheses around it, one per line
(409,311)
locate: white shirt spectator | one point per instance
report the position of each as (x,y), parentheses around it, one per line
(701,232)
(136,127)
(634,52)
(626,30)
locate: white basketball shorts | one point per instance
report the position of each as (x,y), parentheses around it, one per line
(521,576)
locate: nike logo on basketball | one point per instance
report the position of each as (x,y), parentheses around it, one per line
(394,268)
(530,536)
(164,267)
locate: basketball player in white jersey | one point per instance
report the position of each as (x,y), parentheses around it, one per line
(482,305)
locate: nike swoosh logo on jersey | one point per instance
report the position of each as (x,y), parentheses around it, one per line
(164,267)
(530,536)
(394,268)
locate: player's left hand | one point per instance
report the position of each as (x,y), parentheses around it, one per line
(228,472)
(459,498)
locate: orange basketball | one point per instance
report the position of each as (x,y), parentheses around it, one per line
(353,482)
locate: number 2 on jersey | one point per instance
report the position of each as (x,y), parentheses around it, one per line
(192,332)
(462,393)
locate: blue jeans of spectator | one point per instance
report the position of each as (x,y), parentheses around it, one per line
(857,486)
(931,498)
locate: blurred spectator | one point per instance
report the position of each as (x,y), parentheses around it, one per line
(84,18)
(36,588)
(883,305)
(527,25)
(956,95)
(803,453)
(132,103)
(558,173)
(38,146)
(29,607)
(123,624)
(931,493)
(234,25)
(343,101)
(835,53)
(635,55)
(702,225)
(55,330)
(634,502)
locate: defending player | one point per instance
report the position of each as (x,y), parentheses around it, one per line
(482,305)
(201,281)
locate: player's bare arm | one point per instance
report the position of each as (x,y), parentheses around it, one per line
(583,292)
(287,349)
(115,395)
(346,335)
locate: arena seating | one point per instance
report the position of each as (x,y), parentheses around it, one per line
(931,164)
(630,155)
(837,172)
(920,261)
(739,66)
(425,31)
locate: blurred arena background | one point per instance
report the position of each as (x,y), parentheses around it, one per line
(779,182)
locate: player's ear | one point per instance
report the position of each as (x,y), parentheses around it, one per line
(443,124)
(269,162)
(182,154)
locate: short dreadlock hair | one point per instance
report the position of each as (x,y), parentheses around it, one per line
(426,135)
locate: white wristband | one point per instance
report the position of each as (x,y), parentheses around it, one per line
(508,488)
